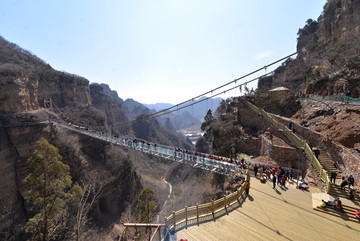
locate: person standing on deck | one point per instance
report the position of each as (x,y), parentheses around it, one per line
(247,187)
(274,180)
(333,177)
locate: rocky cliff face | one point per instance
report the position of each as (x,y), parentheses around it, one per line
(132,108)
(327,63)
(328,54)
(26,82)
(112,109)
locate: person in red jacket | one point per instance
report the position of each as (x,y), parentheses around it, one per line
(283,181)
(357,215)
(247,187)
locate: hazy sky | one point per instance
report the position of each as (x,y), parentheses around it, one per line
(157,50)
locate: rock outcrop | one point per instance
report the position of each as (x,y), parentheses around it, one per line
(328,54)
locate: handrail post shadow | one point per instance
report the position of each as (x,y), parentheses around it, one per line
(225,204)
(212,209)
(197,213)
(174,219)
(186,217)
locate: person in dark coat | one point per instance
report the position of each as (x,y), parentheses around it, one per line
(333,177)
(351,181)
(343,183)
(256,170)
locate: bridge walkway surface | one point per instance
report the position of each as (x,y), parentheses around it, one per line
(276,214)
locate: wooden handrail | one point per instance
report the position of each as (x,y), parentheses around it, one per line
(203,210)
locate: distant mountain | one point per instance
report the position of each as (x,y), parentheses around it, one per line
(131,107)
(179,121)
(199,110)
(184,118)
(158,106)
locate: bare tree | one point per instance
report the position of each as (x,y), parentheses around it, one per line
(92,189)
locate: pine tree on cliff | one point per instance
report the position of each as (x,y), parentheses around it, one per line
(146,206)
(49,191)
(207,120)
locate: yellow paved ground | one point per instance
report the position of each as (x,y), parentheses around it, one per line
(278,214)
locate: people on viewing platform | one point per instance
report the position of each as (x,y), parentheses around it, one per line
(351,192)
(338,205)
(283,181)
(343,183)
(274,181)
(333,177)
(357,215)
(247,187)
(316,152)
(303,185)
(325,204)
(256,170)
(351,180)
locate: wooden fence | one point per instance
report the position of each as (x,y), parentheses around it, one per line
(204,212)
(299,142)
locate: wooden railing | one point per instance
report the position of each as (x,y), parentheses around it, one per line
(299,142)
(204,212)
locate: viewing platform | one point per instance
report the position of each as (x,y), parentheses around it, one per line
(276,214)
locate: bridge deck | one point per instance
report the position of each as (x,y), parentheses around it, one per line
(278,214)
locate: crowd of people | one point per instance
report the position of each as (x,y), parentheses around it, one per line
(277,175)
(350,182)
(337,206)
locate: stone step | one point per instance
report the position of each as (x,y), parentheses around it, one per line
(348,215)
(337,192)
(332,170)
(327,162)
(329,166)
(325,159)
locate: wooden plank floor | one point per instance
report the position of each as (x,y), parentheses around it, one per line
(275,214)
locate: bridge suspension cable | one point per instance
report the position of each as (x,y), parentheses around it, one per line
(170,110)
(222,86)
